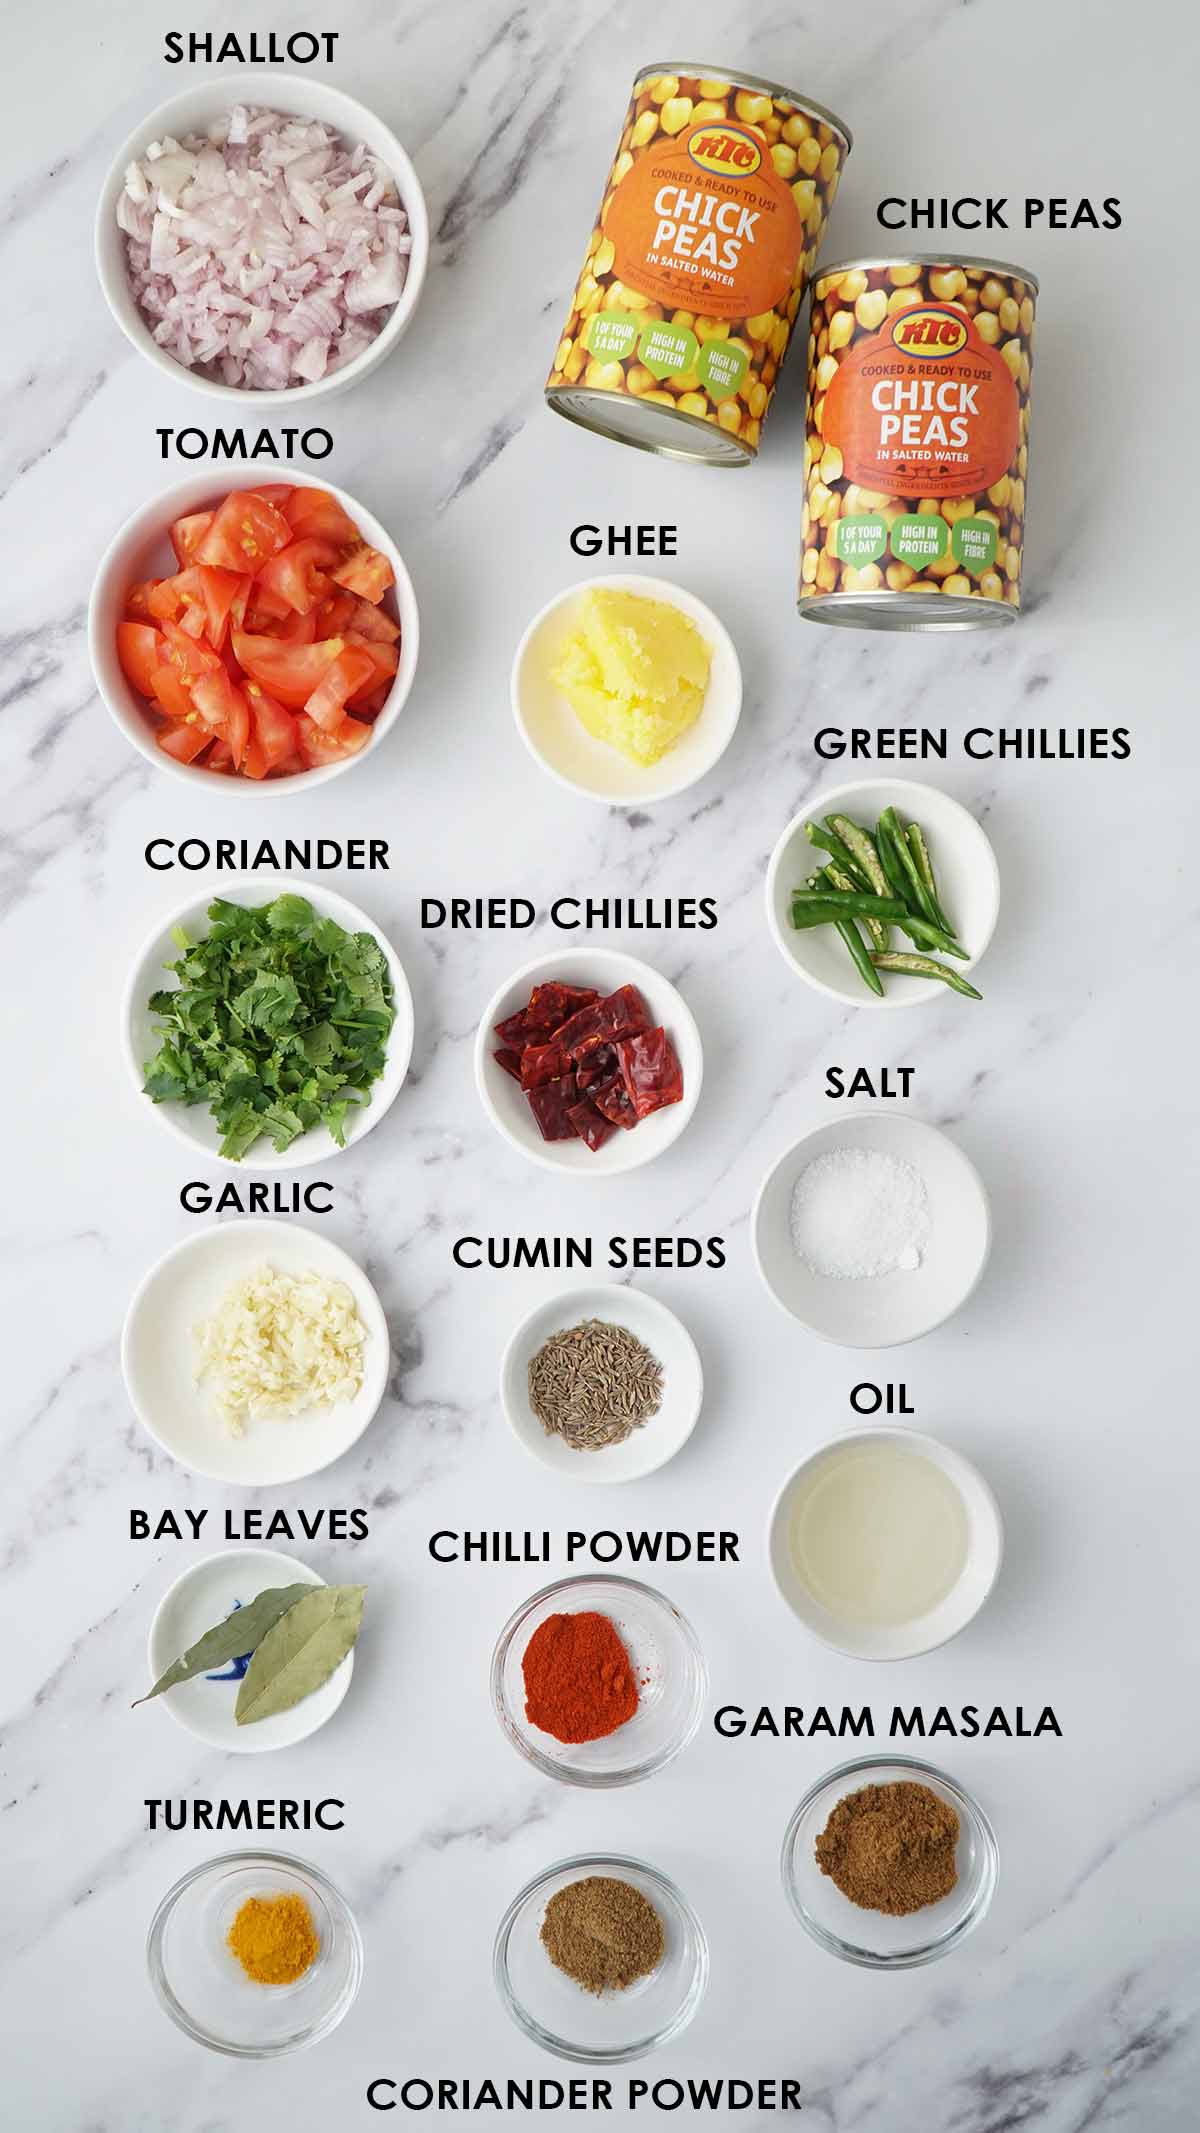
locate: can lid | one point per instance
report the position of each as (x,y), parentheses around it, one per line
(734,75)
(824,268)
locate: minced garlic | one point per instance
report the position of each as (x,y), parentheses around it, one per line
(278,1345)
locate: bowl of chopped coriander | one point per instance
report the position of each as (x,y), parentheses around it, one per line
(276,1029)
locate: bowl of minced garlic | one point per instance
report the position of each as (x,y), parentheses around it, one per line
(626,689)
(889,1864)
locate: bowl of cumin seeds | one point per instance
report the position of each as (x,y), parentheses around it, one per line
(601,1384)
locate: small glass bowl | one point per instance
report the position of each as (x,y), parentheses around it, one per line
(873,1939)
(611,2027)
(667,1662)
(203,1987)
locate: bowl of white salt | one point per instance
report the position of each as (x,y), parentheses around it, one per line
(872,1230)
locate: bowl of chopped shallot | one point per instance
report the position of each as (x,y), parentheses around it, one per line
(266,634)
(263,238)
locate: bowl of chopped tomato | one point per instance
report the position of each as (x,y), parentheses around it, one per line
(266,635)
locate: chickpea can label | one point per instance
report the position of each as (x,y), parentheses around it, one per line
(916,454)
(709,225)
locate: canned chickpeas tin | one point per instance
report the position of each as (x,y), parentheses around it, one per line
(916,455)
(707,232)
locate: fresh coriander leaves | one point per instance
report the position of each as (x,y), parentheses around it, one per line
(279,1022)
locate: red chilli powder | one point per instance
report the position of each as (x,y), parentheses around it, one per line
(579,1684)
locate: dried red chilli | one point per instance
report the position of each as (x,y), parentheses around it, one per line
(588,1065)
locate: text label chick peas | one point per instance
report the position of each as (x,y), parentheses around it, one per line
(696,269)
(916,454)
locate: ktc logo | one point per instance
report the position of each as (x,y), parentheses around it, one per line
(725,149)
(930,332)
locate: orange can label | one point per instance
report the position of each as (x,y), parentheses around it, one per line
(924,407)
(704,223)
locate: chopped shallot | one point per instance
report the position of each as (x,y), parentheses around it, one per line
(265,253)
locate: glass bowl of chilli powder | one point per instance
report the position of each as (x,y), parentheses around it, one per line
(889,1863)
(599,1681)
(601,1959)
(255,1954)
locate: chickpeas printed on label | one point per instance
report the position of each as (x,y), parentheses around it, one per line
(696,269)
(916,454)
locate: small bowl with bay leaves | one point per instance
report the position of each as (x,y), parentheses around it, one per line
(601,1384)
(217,1673)
(274,1028)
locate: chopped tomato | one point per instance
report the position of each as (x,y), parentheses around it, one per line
(245,532)
(371,621)
(137,604)
(365,572)
(348,672)
(297,573)
(170,693)
(182,741)
(188,656)
(251,659)
(288,671)
(319,747)
(384,660)
(187,534)
(138,647)
(275,729)
(298,629)
(315,511)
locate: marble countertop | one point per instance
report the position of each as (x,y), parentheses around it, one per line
(1067,1376)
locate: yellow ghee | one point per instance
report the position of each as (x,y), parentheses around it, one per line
(634,671)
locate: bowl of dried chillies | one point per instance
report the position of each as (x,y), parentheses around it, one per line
(589,1063)
(884,893)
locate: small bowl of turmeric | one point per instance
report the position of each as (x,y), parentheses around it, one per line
(888,1863)
(255,1954)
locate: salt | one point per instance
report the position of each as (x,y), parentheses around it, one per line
(857,1214)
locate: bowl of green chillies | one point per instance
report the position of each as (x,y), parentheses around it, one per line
(884,893)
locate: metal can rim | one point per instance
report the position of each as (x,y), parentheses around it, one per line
(739,80)
(824,269)
(660,447)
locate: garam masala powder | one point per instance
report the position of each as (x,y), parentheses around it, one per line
(891,1847)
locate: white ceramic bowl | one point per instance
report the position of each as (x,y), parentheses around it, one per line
(157,1349)
(885,1310)
(204,1595)
(192,111)
(149,974)
(657,1440)
(506,1105)
(555,738)
(964,865)
(985,1549)
(142,549)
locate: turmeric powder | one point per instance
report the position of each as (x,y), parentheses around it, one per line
(274,1939)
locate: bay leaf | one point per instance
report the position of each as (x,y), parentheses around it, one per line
(242,1631)
(300,1652)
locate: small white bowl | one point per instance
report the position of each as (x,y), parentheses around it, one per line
(191,112)
(924,1633)
(506,1104)
(885,1310)
(203,1596)
(647,1448)
(555,738)
(195,1124)
(964,864)
(142,549)
(157,1350)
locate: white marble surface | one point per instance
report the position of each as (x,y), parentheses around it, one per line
(1068,1377)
